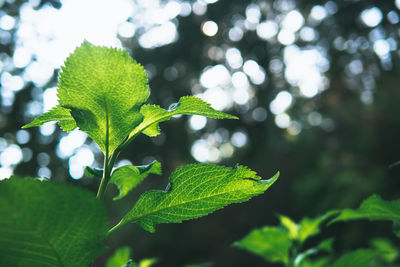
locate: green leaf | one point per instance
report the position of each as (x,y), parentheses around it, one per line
(373,208)
(271,243)
(120,257)
(147,262)
(59,114)
(309,227)
(388,251)
(128,177)
(305,229)
(396,228)
(290,225)
(325,245)
(48,224)
(187,105)
(104,89)
(93,172)
(360,257)
(195,191)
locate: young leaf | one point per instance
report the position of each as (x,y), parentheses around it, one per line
(373,208)
(305,229)
(128,177)
(120,257)
(194,191)
(104,89)
(271,243)
(49,224)
(59,114)
(93,172)
(360,257)
(187,105)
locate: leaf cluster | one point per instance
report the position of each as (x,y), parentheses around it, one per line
(287,243)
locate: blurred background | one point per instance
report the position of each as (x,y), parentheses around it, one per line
(314,83)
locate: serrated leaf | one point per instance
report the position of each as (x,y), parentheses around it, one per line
(373,208)
(194,191)
(93,172)
(59,114)
(360,257)
(49,224)
(128,177)
(104,89)
(120,257)
(187,105)
(271,243)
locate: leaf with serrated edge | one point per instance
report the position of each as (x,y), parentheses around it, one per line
(59,114)
(373,208)
(48,224)
(194,191)
(128,177)
(104,88)
(187,105)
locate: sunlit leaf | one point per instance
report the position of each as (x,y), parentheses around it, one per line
(271,243)
(187,105)
(373,208)
(104,89)
(59,114)
(128,177)
(49,224)
(194,191)
(120,257)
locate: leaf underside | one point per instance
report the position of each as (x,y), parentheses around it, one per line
(194,191)
(59,114)
(46,224)
(187,105)
(128,177)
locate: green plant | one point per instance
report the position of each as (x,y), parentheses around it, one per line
(287,244)
(102,91)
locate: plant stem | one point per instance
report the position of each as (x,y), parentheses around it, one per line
(115,228)
(105,178)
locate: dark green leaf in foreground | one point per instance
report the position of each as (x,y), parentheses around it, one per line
(187,105)
(104,88)
(271,243)
(48,224)
(360,257)
(128,177)
(120,257)
(195,191)
(59,114)
(373,208)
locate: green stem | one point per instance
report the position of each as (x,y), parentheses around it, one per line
(105,178)
(115,228)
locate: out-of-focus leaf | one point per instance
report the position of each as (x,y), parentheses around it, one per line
(373,208)
(271,243)
(290,225)
(325,245)
(396,228)
(360,257)
(48,224)
(388,251)
(128,177)
(319,262)
(194,191)
(120,257)
(147,262)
